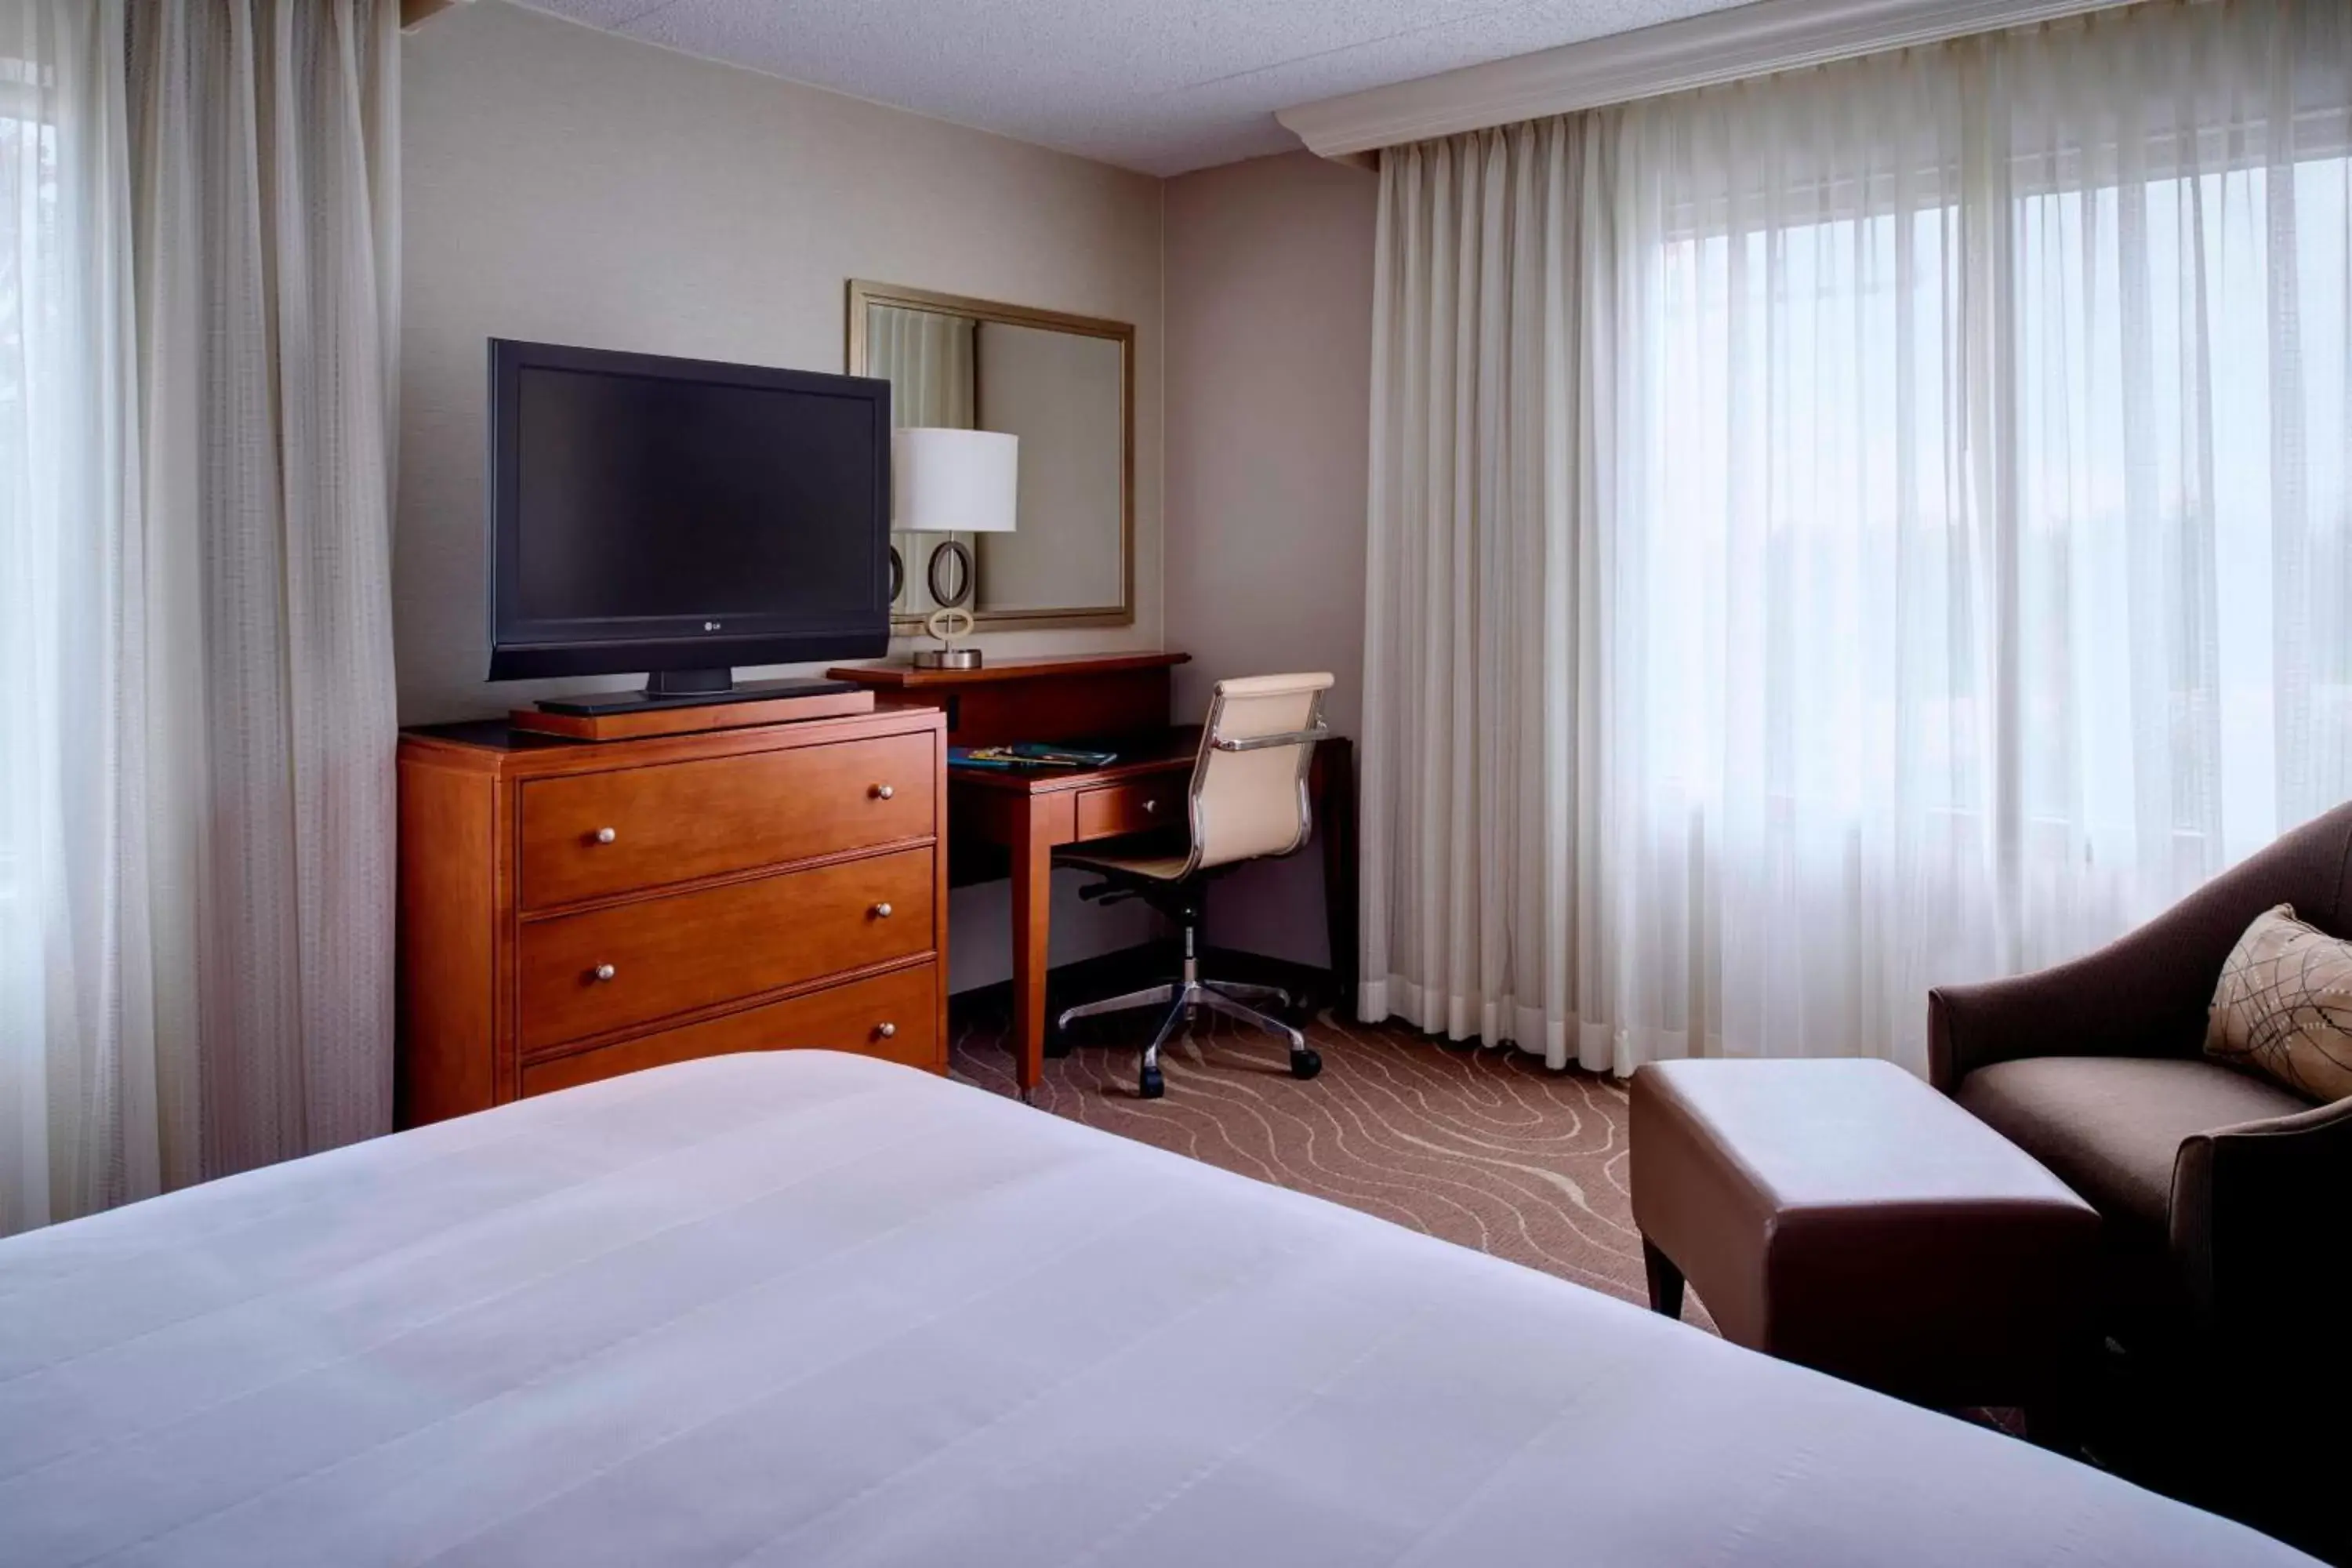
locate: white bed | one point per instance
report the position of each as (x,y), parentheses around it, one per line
(809,1309)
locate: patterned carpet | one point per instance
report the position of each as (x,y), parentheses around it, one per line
(1484,1148)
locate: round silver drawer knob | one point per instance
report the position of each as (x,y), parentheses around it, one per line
(605,835)
(1151,806)
(604,972)
(883,792)
(881,912)
(888,1031)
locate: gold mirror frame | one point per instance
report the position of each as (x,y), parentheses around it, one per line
(864,295)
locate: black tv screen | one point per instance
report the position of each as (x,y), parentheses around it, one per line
(661,514)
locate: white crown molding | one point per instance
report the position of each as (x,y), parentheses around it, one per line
(415,14)
(1698,51)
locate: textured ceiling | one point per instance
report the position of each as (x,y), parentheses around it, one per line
(1158,85)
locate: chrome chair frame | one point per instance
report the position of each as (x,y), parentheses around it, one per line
(1189,995)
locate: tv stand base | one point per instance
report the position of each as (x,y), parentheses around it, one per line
(632,715)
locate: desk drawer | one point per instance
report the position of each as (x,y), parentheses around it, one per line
(852,1017)
(591,835)
(670,955)
(1137,805)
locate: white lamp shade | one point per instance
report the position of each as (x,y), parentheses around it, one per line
(953,481)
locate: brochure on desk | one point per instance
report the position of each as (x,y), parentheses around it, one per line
(1025,756)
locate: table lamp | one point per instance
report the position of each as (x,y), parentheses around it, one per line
(952,481)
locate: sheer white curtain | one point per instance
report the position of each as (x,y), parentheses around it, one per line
(1798,833)
(82,1121)
(196,797)
(1959,517)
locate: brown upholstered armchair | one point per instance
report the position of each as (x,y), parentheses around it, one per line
(2223,1194)
(2226,1200)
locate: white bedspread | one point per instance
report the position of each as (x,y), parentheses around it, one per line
(809,1309)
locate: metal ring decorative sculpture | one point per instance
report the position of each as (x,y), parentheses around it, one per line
(951,554)
(950,622)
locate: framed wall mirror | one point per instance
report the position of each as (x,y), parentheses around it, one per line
(1066,386)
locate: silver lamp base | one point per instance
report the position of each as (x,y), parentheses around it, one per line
(947,658)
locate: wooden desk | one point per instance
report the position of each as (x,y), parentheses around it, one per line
(1052,697)
(1123,701)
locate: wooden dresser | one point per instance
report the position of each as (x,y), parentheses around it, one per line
(573,910)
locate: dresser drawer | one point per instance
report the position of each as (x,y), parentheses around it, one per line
(894,1017)
(591,835)
(1136,807)
(611,968)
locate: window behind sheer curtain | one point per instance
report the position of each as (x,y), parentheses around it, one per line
(2180,369)
(67,1056)
(30,264)
(1983,560)
(29,313)
(2216,430)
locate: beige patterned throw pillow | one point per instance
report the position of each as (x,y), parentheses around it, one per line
(2283,1008)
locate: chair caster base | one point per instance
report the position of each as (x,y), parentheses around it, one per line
(1305,1064)
(1152,1085)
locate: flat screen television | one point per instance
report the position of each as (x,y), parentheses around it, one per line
(682,517)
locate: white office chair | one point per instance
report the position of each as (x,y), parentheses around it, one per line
(1248,799)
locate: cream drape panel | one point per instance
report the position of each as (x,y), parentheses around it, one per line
(932,364)
(267,183)
(1947,450)
(928,359)
(213,907)
(1472,651)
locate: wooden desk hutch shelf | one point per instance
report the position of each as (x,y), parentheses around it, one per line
(569,910)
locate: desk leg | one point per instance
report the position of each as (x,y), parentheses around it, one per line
(1335,810)
(1033,897)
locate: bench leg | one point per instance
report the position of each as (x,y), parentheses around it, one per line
(1665,1280)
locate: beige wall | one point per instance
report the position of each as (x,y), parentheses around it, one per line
(570,186)
(1269,267)
(566,185)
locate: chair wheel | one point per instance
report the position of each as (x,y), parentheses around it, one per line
(1154,1086)
(1305,1063)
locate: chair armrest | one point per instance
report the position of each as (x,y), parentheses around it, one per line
(1306,737)
(2144,995)
(2257,1221)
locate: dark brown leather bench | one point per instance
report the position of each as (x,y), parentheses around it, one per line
(1844,1215)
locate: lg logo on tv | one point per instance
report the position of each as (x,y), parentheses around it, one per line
(710,626)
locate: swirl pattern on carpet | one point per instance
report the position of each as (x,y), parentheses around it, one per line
(1485,1147)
